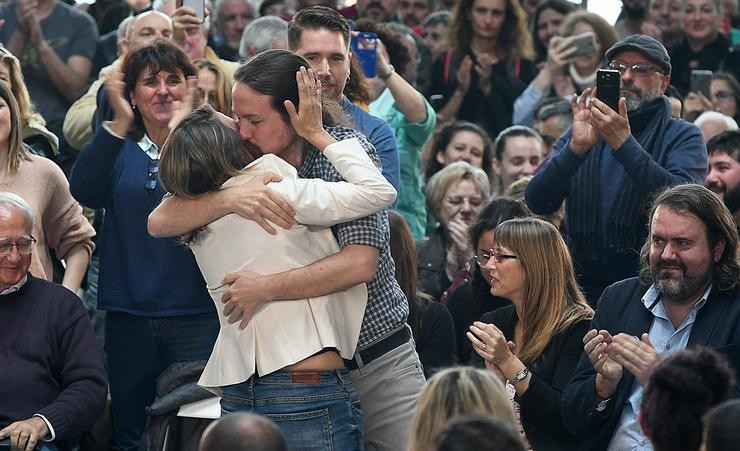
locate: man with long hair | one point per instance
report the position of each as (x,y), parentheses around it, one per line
(687,294)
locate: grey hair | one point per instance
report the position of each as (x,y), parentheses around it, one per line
(124,29)
(261,33)
(218,4)
(440,17)
(716,116)
(15,202)
(717,3)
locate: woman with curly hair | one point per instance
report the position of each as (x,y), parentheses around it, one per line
(488,66)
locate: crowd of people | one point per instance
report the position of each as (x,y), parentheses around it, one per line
(392,225)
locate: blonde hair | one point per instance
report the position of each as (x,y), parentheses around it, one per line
(17,151)
(19,89)
(455,392)
(223,88)
(449,175)
(552,299)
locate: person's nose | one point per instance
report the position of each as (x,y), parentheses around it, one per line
(627,75)
(528,169)
(669,252)
(245,131)
(490,264)
(712,176)
(466,206)
(321,67)
(162,88)
(13,256)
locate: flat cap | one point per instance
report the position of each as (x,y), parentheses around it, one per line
(646,45)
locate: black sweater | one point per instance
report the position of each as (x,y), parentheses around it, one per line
(50,363)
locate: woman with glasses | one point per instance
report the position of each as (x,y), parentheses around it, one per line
(724,98)
(61,225)
(454,195)
(489,64)
(34,133)
(212,88)
(535,343)
(157,308)
(473,298)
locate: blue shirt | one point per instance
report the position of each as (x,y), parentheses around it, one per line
(665,339)
(380,135)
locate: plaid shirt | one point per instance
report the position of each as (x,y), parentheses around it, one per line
(387,307)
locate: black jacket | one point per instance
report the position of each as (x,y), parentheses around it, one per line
(620,309)
(540,404)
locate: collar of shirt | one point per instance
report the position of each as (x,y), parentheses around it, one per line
(652,296)
(16,287)
(149,147)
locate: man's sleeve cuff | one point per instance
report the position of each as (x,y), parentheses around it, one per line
(51,429)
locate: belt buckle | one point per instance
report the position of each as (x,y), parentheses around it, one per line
(306,377)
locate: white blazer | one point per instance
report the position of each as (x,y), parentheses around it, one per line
(285,332)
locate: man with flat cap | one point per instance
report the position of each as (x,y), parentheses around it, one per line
(610,163)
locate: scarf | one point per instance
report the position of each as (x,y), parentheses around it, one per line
(648,125)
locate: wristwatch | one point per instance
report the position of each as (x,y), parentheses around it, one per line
(391,70)
(520,376)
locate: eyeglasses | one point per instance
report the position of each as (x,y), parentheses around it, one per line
(638,70)
(457,201)
(486,256)
(23,246)
(724,96)
(151,179)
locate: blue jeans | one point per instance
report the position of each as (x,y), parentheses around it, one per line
(313,417)
(138,350)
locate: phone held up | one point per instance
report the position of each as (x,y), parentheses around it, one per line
(198,5)
(363,47)
(701,82)
(607,87)
(585,44)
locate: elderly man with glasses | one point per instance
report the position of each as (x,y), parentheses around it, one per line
(611,162)
(52,385)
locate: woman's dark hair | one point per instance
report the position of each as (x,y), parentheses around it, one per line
(560,6)
(480,433)
(403,252)
(442,139)
(721,431)
(357,89)
(200,154)
(679,390)
(272,73)
(513,40)
(497,211)
(158,56)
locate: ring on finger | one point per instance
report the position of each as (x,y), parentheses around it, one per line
(485,347)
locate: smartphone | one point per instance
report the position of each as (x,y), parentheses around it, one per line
(198,5)
(607,87)
(363,47)
(585,44)
(701,80)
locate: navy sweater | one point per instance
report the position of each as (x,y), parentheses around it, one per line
(50,363)
(139,274)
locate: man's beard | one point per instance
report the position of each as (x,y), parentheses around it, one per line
(640,98)
(634,12)
(252,149)
(376,12)
(679,290)
(732,198)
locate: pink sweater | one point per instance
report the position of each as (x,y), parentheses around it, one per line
(59,221)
